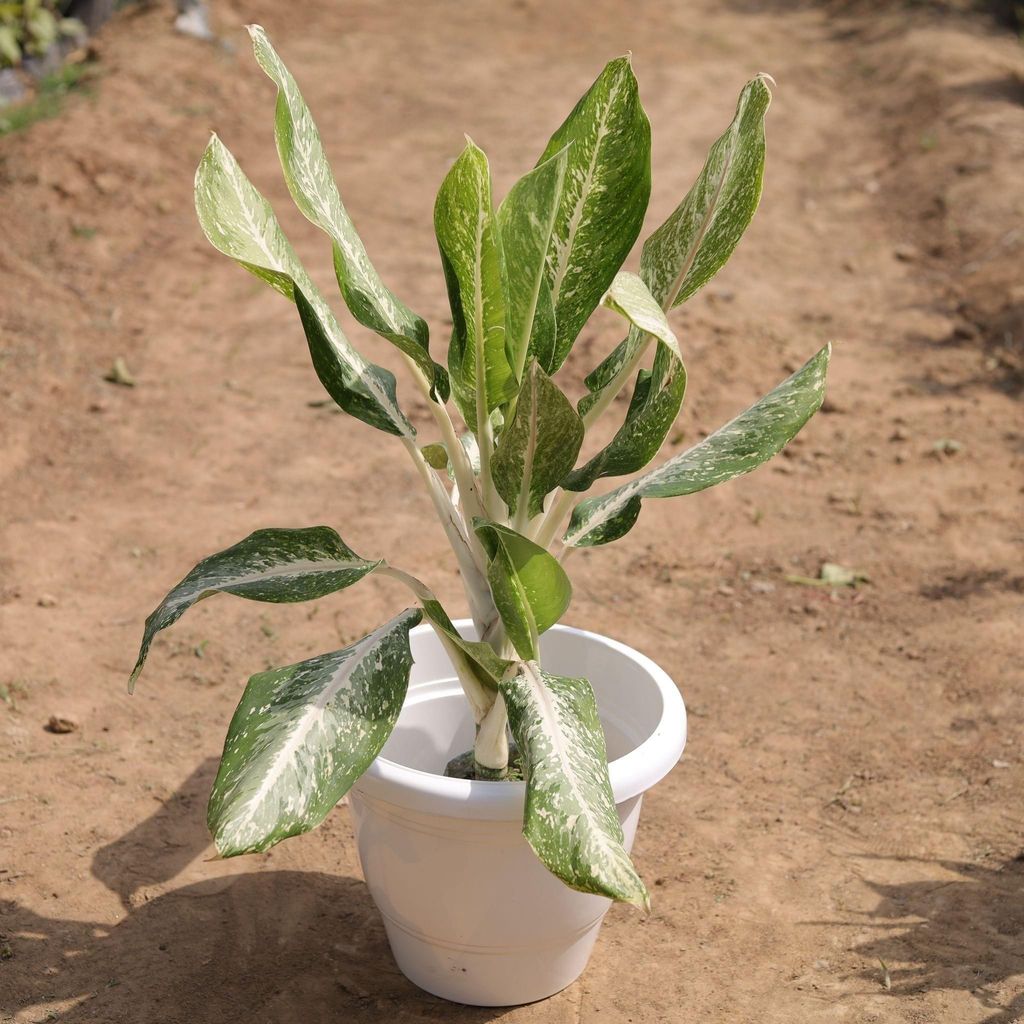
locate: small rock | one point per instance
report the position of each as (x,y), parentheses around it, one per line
(1001,764)
(907,253)
(120,374)
(61,724)
(947,446)
(762,586)
(47,601)
(899,434)
(726,591)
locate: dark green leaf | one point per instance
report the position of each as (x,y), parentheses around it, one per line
(530,589)
(539,446)
(269,565)
(737,448)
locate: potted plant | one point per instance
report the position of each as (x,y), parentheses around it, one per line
(495,766)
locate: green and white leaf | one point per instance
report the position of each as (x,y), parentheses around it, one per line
(570,818)
(526,218)
(632,299)
(538,447)
(700,235)
(303,734)
(241,224)
(604,197)
(311,183)
(656,401)
(530,589)
(737,448)
(281,566)
(657,395)
(697,239)
(468,237)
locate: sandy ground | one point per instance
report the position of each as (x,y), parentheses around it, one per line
(842,840)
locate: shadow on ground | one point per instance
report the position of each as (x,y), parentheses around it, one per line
(965,933)
(268,945)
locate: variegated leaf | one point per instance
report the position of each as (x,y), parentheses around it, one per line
(311,183)
(538,447)
(697,239)
(657,396)
(570,818)
(653,408)
(631,298)
(240,223)
(468,237)
(281,566)
(303,734)
(604,198)
(737,448)
(530,589)
(701,233)
(526,218)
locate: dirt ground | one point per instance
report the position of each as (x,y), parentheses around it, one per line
(843,838)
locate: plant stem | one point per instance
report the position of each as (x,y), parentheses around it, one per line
(469,496)
(490,751)
(480,699)
(474,582)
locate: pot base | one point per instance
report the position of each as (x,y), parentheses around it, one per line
(491,975)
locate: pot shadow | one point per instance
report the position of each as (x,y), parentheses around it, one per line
(962,934)
(274,946)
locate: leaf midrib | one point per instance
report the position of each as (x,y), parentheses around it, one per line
(311,715)
(544,701)
(577,215)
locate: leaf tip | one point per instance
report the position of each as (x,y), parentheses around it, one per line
(767,79)
(255,31)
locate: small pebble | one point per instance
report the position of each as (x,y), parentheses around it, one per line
(61,724)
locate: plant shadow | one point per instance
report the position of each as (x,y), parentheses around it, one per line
(965,934)
(265,945)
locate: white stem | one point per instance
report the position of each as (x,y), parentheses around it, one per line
(473,579)
(491,747)
(480,699)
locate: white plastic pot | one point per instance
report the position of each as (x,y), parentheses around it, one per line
(470,912)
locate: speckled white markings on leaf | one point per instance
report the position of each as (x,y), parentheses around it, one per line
(740,446)
(570,818)
(301,735)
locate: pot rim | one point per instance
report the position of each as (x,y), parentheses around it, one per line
(631,775)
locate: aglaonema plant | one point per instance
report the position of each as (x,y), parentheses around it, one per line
(523,278)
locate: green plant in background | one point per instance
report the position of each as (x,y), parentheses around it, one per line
(28,28)
(523,278)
